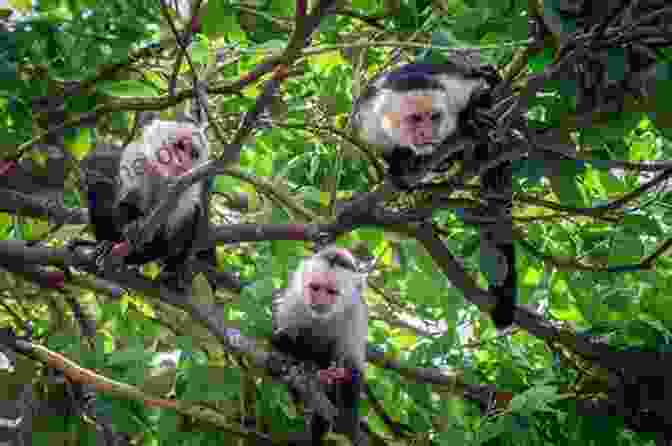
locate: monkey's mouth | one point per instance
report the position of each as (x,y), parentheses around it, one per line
(321,309)
(423,149)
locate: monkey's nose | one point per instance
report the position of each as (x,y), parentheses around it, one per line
(321,297)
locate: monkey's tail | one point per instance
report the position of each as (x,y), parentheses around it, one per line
(506,293)
(499,180)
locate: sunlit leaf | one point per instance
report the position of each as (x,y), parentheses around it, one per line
(35,229)
(325,62)
(218,19)
(80,143)
(21,5)
(129,88)
(199,51)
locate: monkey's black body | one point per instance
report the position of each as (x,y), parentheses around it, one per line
(310,347)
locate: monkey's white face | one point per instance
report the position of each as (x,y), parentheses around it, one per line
(321,292)
(328,285)
(418,119)
(422,122)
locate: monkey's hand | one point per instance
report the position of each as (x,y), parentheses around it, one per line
(110,254)
(106,253)
(334,375)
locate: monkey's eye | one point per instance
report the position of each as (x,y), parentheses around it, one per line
(314,287)
(343,263)
(332,291)
(436,116)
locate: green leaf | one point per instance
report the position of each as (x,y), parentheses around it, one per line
(535,399)
(132,355)
(21,5)
(567,190)
(79,143)
(488,431)
(373,237)
(452,436)
(208,383)
(366,5)
(325,62)
(626,248)
(129,88)
(539,61)
(199,50)
(218,19)
(640,223)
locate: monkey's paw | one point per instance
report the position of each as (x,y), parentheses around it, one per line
(334,375)
(110,254)
(105,253)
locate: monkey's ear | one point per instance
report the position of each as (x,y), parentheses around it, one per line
(146,117)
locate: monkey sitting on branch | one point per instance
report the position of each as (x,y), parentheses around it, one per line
(409,112)
(322,318)
(122,187)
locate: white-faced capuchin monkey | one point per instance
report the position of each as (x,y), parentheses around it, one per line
(322,318)
(124,186)
(409,111)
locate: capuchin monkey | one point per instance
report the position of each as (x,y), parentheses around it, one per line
(411,110)
(123,187)
(322,318)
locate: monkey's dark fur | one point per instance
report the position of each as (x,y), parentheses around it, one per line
(411,110)
(123,186)
(322,318)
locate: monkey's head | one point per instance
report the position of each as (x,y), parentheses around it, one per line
(173,148)
(166,150)
(329,282)
(415,106)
